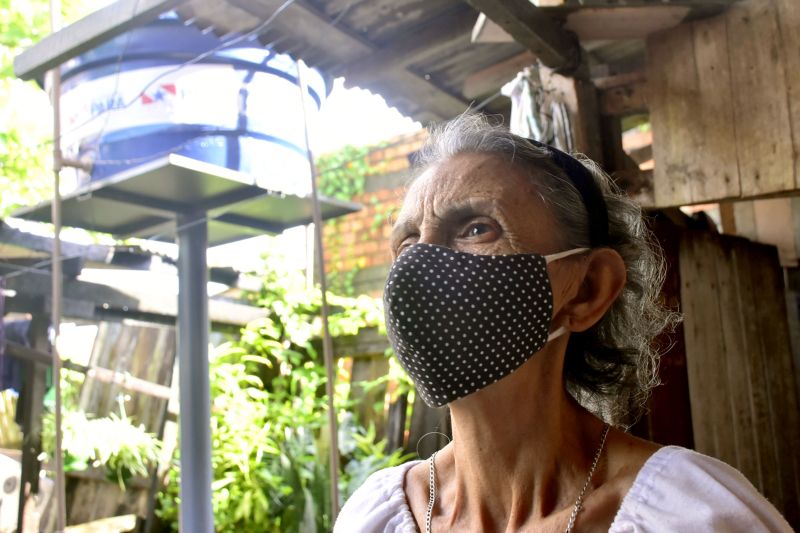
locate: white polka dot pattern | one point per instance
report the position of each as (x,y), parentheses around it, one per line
(459,321)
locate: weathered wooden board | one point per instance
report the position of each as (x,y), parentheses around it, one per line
(691,107)
(146,352)
(760,95)
(367,369)
(717,155)
(703,333)
(789,23)
(724,99)
(90,497)
(780,376)
(758,388)
(741,377)
(673,89)
(733,359)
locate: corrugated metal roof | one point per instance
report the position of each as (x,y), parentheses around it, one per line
(416,53)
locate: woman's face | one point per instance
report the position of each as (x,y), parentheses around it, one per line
(476,203)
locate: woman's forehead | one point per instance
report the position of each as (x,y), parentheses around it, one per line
(470,176)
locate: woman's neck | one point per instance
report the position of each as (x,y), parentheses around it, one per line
(519,451)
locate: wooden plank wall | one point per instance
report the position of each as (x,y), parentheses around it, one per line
(725,104)
(741,374)
(367,369)
(90,497)
(145,351)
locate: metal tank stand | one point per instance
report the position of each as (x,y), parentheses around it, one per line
(197,205)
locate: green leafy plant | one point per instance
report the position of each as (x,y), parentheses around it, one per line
(342,174)
(25,145)
(270,443)
(125,450)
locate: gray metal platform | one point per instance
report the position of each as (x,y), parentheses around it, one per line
(144,201)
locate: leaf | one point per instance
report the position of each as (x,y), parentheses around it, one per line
(309,524)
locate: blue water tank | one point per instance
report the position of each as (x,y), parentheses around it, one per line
(133,99)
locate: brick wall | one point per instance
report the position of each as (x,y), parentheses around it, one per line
(360,241)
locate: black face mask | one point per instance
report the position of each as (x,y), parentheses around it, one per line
(459,321)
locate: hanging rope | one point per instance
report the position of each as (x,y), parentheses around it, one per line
(327,342)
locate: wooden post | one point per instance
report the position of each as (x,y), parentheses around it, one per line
(580,98)
(31,405)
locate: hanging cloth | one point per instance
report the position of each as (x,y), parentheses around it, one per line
(538,113)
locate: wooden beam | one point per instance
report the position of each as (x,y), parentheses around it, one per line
(105,375)
(487,31)
(87,33)
(534,29)
(413,47)
(492,78)
(624,100)
(609,82)
(95,253)
(91,301)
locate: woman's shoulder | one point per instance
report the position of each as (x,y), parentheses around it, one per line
(379,505)
(678,489)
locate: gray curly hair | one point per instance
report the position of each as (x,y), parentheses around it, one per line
(611,368)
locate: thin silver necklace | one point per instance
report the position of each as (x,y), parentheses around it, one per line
(575,509)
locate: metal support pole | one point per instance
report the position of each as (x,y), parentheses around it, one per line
(57,280)
(195,395)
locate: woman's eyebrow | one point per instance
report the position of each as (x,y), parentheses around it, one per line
(467,208)
(449,213)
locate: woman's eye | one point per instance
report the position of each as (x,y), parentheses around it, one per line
(477,229)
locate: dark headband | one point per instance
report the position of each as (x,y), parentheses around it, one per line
(590,193)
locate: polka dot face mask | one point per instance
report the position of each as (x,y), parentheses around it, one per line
(459,321)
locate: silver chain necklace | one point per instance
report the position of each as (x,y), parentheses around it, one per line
(575,509)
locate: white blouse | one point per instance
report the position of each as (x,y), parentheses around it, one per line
(676,490)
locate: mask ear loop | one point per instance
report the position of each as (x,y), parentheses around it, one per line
(561,330)
(429,434)
(561,255)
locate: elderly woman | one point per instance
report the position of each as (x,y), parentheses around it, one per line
(524,296)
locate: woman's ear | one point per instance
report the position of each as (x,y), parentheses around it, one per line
(604,278)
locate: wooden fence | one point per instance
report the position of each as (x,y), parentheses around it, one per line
(136,360)
(741,374)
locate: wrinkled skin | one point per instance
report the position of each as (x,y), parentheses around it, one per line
(522,447)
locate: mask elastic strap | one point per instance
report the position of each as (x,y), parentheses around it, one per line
(561,330)
(561,255)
